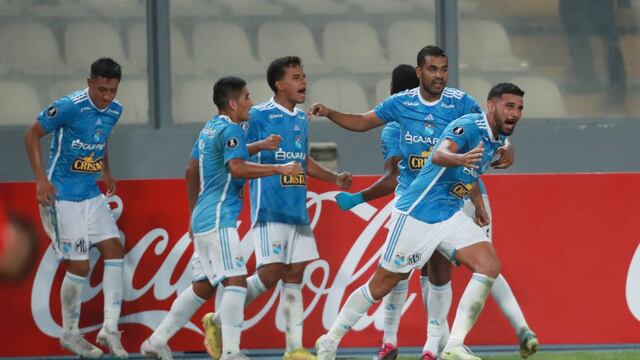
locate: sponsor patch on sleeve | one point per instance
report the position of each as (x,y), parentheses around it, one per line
(232,143)
(52,111)
(457,130)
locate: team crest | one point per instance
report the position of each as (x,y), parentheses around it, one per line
(298,142)
(239,261)
(400,259)
(277,248)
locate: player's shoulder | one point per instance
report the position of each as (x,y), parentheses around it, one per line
(409,97)
(115,107)
(471,121)
(454,94)
(264,107)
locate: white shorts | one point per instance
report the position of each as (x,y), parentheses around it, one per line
(197,272)
(283,243)
(470,210)
(75,226)
(219,254)
(411,242)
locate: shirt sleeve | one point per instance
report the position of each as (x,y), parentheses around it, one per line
(57,114)
(462,133)
(387,109)
(234,143)
(195,152)
(253,126)
(390,141)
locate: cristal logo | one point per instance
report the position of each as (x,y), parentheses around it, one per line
(347,273)
(633,285)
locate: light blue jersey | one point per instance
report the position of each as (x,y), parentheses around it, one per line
(390,140)
(279,198)
(219,203)
(421,124)
(80,133)
(438,192)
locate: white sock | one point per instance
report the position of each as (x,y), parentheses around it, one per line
(70,300)
(232,317)
(392,307)
(356,306)
(255,288)
(438,305)
(469,308)
(112,289)
(291,303)
(424,285)
(182,309)
(508,304)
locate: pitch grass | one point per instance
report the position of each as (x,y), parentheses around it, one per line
(591,355)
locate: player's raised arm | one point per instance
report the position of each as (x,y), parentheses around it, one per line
(447,155)
(353,122)
(481,215)
(315,170)
(248,170)
(45,191)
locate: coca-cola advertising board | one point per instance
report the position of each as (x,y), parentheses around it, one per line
(568,245)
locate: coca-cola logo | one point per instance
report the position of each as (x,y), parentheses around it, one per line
(351,270)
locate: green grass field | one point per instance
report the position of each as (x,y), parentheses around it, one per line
(591,355)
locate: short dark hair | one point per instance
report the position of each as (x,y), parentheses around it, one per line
(277,68)
(225,89)
(429,50)
(106,68)
(504,88)
(403,78)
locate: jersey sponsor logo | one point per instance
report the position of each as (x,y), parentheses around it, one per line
(448,106)
(52,111)
(410,103)
(290,155)
(87,164)
(457,130)
(114,112)
(416,162)
(461,190)
(86,108)
(293,180)
(209,132)
(232,143)
(472,172)
(77,144)
(410,138)
(275,116)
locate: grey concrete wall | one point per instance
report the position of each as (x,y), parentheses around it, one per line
(541,147)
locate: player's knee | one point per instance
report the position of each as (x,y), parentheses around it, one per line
(489,266)
(270,274)
(293,273)
(79,268)
(203,289)
(111,249)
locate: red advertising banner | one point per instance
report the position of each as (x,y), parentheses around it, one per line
(569,246)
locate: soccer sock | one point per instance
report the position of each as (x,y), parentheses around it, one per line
(356,306)
(508,304)
(438,305)
(470,306)
(392,306)
(70,299)
(182,309)
(291,303)
(232,317)
(112,289)
(255,288)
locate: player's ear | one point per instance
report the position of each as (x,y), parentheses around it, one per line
(233,104)
(279,85)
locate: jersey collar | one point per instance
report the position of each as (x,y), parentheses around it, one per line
(284,109)
(92,104)
(226,118)
(427,103)
(489,132)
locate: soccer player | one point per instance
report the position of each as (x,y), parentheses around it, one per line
(222,154)
(74,213)
(428,215)
(283,239)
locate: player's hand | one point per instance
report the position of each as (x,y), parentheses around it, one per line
(481,217)
(45,192)
(506,159)
(291,168)
(344,179)
(318,109)
(346,201)
(471,158)
(272,142)
(110,182)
